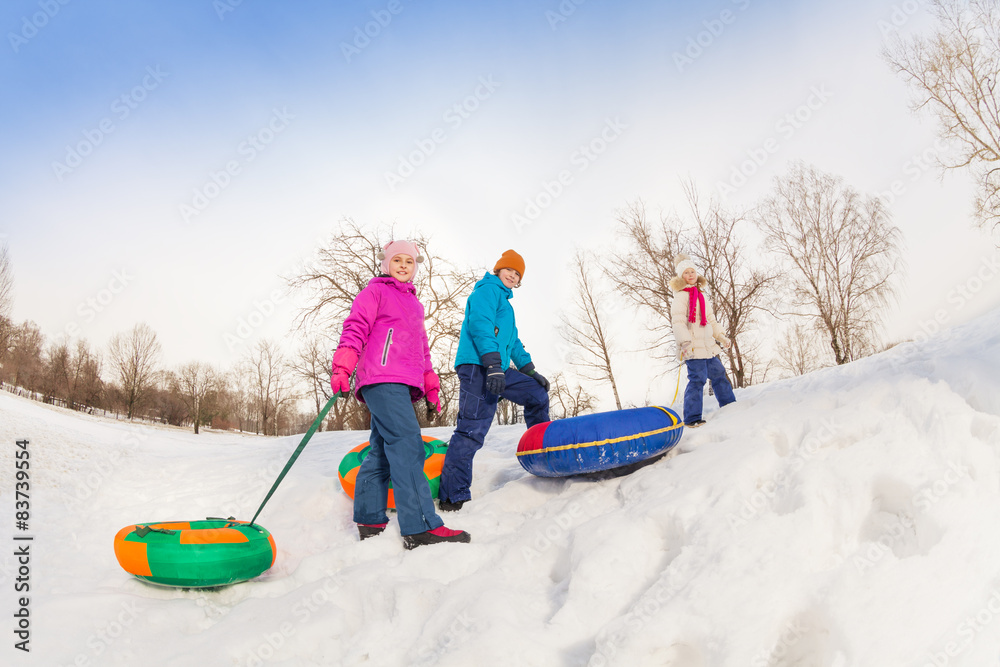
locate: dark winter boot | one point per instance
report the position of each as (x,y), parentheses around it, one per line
(439,534)
(367,530)
(696,424)
(446,506)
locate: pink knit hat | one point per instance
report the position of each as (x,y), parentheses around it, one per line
(393,248)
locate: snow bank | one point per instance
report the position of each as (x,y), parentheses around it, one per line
(847,517)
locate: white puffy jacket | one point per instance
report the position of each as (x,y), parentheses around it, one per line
(702,338)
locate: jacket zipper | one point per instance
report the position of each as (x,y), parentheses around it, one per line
(385,350)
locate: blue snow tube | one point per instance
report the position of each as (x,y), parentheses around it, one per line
(605,441)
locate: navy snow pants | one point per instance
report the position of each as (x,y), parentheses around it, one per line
(699,370)
(476,408)
(397,454)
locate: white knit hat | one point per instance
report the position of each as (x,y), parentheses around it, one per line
(683,263)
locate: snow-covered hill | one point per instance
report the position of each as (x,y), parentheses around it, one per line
(850,517)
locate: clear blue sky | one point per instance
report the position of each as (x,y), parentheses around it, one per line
(167,161)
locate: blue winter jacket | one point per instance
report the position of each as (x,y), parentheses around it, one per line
(489,326)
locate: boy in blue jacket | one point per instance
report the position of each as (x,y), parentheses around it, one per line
(487,345)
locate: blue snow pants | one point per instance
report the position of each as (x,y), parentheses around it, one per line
(698,370)
(476,407)
(397,454)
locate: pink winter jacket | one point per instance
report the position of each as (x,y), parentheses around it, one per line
(386,331)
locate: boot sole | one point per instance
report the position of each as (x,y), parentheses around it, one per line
(421,539)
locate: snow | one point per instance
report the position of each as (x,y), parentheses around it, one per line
(847,517)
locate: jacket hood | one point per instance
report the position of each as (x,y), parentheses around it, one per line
(491,279)
(677,283)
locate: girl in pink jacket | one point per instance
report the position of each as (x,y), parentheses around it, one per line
(384,344)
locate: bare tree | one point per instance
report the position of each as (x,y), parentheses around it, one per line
(86,385)
(197,385)
(642,272)
(24,366)
(799,351)
(443,289)
(954,72)
(312,365)
(6,282)
(270,381)
(584,329)
(6,339)
(740,289)
(134,361)
(239,393)
(842,250)
(338,274)
(55,384)
(6,301)
(568,401)
(508,412)
(349,414)
(165,403)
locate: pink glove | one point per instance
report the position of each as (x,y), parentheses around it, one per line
(432,390)
(340,381)
(686,350)
(344,362)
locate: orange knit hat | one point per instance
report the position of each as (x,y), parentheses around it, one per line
(510,260)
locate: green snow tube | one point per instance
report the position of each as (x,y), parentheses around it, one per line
(195,554)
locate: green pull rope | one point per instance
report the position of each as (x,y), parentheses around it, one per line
(298,450)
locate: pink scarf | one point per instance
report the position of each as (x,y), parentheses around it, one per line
(692,309)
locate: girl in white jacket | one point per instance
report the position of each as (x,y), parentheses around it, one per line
(696,331)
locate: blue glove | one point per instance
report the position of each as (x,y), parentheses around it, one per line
(495,380)
(529,370)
